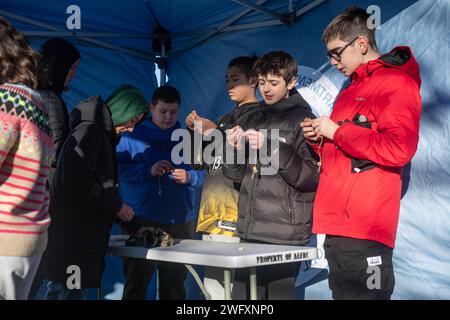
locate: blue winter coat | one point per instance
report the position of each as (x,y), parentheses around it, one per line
(157,199)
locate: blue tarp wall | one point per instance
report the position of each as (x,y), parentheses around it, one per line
(422,255)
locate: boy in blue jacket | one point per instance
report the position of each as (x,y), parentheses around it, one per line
(160,193)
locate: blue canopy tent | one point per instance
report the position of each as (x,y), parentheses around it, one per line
(120,42)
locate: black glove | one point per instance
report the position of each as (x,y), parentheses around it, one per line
(151,237)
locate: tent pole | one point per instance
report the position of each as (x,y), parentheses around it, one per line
(151,13)
(308,7)
(259,8)
(228,29)
(162,71)
(85,34)
(291,6)
(250,25)
(227,26)
(253,25)
(214,32)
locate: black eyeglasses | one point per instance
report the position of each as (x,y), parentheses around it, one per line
(336,55)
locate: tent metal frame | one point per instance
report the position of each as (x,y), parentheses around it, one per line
(227,26)
(148,56)
(258,7)
(211,34)
(204,34)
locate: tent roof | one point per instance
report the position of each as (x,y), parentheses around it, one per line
(128,26)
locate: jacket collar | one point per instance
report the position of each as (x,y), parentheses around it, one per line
(400,58)
(284,105)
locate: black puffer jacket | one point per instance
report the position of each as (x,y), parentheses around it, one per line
(84,196)
(218,207)
(59,122)
(278,208)
(58,56)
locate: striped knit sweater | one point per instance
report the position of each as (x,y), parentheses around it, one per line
(25,153)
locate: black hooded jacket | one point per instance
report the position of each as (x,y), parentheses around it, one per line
(277,208)
(58,56)
(218,207)
(84,195)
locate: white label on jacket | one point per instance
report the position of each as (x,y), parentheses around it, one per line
(374,261)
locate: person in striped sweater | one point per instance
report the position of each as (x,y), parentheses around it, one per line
(26,147)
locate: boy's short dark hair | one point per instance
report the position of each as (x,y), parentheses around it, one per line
(351,23)
(278,63)
(167,94)
(244,64)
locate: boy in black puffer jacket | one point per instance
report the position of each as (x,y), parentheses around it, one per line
(275,199)
(218,212)
(59,61)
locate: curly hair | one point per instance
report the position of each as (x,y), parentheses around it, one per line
(19,63)
(278,63)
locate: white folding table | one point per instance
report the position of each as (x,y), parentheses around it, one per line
(216,254)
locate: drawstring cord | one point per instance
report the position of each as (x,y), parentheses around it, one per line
(319,169)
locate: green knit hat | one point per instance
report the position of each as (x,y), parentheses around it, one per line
(125,103)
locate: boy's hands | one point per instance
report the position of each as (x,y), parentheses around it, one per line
(308,130)
(324,127)
(235,137)
(160,168)
(126,213)
(190,119)
(180,176)
(255,138)
(202,125)
(313,129)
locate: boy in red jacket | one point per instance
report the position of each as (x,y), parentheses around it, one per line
(371,134)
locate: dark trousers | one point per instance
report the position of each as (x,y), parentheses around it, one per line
(274,282)
(171,276)
(359,269)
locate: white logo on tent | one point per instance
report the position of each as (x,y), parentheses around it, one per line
(317,90)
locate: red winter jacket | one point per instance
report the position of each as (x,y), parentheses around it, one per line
(364,203)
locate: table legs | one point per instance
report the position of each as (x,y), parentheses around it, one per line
(253,284)
(227,283)
(199,281)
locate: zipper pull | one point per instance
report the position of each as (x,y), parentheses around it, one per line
(319,166)
(254,171)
